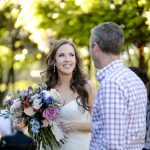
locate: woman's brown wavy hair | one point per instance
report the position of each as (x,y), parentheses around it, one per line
(78,80)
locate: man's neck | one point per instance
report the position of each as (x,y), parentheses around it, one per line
(108,59)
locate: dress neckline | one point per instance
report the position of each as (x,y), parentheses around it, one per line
(69,102)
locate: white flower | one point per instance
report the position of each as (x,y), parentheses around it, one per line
(57,132)
(46,122)
(55,94)
(46,93)
(36,103)
(33,97)
(29,111)
(16,104)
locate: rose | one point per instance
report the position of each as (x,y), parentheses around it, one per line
(50,96)
(29,111)
(16,104)
(55,94)
(36,103)
(46,122)
(15,108)
(51,113)
(46,93)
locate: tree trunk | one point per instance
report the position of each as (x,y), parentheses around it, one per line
(142,62)
(10,79)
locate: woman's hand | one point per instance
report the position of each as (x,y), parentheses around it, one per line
(75,126)
(68,126)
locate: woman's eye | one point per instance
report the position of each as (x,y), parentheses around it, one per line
(60,55)
(72,54)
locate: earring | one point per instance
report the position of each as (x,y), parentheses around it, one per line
(54,68)
(74,69)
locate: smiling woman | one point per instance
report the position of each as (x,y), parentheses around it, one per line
(64,74)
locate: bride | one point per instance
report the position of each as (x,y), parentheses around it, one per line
(64,73)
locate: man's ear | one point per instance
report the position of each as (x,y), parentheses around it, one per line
(96,47)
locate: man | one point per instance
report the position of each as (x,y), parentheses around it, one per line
(119,111)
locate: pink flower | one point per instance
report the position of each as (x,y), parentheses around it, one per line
(51,113)
(29,111)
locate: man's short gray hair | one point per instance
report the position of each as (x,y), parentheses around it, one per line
(109,36)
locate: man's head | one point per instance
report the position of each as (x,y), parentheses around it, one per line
(108,37)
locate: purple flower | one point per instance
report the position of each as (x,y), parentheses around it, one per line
(51,113)
(49,100)
(41,97)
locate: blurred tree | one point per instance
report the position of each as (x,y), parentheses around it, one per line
(73,19)
(14,45)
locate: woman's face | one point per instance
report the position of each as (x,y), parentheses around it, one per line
(65,59)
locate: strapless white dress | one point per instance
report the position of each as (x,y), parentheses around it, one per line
(75,140)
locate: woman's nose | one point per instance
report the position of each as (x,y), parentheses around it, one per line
(67,58)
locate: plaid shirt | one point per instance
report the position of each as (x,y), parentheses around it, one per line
(119,111)
(147,137)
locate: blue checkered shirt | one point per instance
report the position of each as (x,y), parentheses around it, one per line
(119,110)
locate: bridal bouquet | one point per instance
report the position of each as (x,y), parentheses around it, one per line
(39,110)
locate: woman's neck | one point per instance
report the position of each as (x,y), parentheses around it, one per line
(64,80)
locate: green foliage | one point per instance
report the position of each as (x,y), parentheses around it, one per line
(71,19)
(13,40)
(75,21)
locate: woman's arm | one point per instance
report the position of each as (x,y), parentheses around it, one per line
(92,94)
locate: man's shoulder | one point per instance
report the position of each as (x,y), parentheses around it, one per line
(117,75)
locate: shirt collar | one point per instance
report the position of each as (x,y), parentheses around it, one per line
(109,68)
